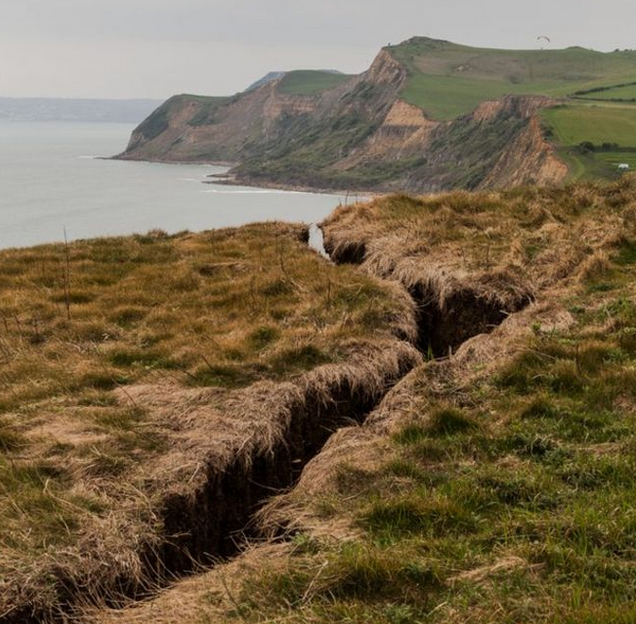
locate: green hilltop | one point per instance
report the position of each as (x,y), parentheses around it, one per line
(446,79)
(310,81)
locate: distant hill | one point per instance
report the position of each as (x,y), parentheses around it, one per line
(57,109)
(318,78)
(428,115)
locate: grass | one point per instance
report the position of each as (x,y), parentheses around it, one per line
(207,108)
(574,124)
(448,97)
(447,80)
(158,121)
(310,82)
(212,312)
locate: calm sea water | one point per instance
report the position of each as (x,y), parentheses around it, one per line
(51,181)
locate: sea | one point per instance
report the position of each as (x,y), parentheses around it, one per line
(56,182)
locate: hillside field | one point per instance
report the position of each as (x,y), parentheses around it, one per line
(446,79)
(571,125)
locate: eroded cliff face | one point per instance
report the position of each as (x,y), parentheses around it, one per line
(194,129)
(386,69)
(199,131)
(360,134)
(499,145)
(405,132)
(528,159)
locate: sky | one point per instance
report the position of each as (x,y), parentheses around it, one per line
(155,48)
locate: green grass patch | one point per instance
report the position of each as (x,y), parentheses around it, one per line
(575,124)
(310,82)
(448,97)
(447,80)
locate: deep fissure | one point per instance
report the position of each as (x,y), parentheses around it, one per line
(209,524)
(215,522)
(464,315)
(442,329)
(225,507)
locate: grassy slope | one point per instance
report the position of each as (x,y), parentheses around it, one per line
(310,82)
(222,309)
(447,79)
(447,97)
(575,124)
(502,489)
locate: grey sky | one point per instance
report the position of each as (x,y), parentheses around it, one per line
(154,48)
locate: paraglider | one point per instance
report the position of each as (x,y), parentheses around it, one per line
(544,39)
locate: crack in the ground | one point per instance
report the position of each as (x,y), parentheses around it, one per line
(216,521)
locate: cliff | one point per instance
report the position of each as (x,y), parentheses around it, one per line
(393,127)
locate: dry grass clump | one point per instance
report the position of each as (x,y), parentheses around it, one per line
(132,367)
(532,239)
(595,267)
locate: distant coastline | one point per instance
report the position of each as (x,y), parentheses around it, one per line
(87,110)
(230,179)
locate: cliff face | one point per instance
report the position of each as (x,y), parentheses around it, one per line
(404,133)
(360,134)
(499,145)
(527,159)
(197,129)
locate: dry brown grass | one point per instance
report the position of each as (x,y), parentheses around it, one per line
(183,357)
(500,244)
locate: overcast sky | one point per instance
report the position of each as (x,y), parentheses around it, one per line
(154,48)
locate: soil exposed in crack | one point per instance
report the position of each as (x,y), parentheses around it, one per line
(464,314)
(213,524)
(443,325)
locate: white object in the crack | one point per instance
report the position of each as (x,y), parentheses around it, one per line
(317,240)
